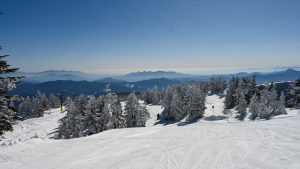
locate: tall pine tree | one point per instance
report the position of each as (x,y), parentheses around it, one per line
(241,101)
(295,93)
(7,84)
(253,107)
(280,109)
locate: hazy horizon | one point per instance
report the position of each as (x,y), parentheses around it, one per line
(203,72)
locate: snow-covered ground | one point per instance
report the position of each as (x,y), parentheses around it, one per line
(33,129)
(273,144)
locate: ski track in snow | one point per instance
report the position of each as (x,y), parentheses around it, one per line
(213,144)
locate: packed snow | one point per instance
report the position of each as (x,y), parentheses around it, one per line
(208,143)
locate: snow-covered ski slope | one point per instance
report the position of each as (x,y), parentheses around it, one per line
(272,144)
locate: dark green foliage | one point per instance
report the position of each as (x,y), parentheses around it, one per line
(7,83)
(294,92)
(217,85)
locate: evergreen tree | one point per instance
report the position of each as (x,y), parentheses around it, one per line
(195,102)
(295,93)
(155,93)
(264,110)
(167,114)
(281,105)
(176,107)
(254,107)
(96,119)
(147,96)
(272,100)
(54,101)
(217,85)
(152,96)
(241,102)
(135,114)
(251,88)
(25,108)
(117,119)
(230,98)
(179,103)
(104,121)
(89,120)
(131,108)
(40,102)
(7,84)
(142,116)
(70,124)
(242,88)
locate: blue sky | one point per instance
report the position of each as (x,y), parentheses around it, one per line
(120,36)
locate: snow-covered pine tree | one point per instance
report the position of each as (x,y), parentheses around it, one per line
(251,88)
(130,110)
(272,100)
(104,121)
(295,93)
(281,105)
(22,113)
(80,105)
(195,102)
(217,85)
(254,107)
(155,93)
(167,114)
(25,108)
(241,102)
(241,89)
(40,102)
(89,119)
(117,117)
(69,124)
(136,114)
(54,101)
(147,96)
(7,84)
(179,102)
(142,116)
(263,109)
(176,110)
(242,106)
(230,98)
(80,102)
(152,96)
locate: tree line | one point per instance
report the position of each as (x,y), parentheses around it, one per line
(32,107)
(263,102)
(88,115)
(184,100)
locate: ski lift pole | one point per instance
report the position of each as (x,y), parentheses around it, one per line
(61,102)
(60,95)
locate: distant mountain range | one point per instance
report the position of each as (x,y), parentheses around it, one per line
(75,83)
(53,75)
(146,75)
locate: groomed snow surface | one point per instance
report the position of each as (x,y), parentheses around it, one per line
(217,141)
